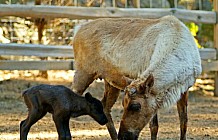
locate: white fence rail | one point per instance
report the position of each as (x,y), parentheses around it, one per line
(39,51)
(36,50)
(36,65)
(106,12)
(50,12)
(64,52)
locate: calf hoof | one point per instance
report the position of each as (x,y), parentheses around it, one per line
(65,138)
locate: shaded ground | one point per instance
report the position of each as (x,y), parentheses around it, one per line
(203,115)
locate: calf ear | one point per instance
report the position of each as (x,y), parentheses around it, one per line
(88,97)
(148,84)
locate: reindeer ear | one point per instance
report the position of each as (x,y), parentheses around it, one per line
(88,97)
(148,84)
(127,80)
(150,80)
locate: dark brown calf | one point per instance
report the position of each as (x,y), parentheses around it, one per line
(62,103)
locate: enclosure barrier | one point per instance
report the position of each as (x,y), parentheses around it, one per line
(66,52)
(50,12)
(39,51)
(215,5)
(208,56)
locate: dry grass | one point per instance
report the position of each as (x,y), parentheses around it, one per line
(203,112)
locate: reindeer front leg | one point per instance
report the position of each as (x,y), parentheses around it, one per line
(153,125)
(110,96)
(81,81)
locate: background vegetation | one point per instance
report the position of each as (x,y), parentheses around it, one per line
(60,31)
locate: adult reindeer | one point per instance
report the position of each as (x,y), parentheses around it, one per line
(160,54)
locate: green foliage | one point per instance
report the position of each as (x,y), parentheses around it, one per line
(203,34)
(9,1)
(194,30)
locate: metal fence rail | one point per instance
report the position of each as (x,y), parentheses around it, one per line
(108,12)
(66,52)
(36,50)
(52,12)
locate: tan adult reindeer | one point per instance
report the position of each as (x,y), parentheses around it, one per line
(159,54)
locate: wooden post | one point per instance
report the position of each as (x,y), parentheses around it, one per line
(40,23)
(215,4)
(126,4)
(151,3)
(175,3)
(138,4)
(114,3)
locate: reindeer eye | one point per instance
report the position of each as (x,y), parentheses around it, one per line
(134,106)
(133,90)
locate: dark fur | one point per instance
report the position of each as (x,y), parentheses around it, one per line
(62,103)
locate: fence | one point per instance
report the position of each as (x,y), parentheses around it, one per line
(209,56)
(64,52)
(107,12)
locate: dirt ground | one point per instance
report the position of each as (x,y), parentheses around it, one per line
(202,111)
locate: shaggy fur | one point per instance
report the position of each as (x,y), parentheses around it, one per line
(126,47)
(163,47)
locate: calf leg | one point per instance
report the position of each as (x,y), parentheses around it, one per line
(25,125)
(183,117)
(67,128)
(62,126)
(110,96)
(153,125)
(81,81)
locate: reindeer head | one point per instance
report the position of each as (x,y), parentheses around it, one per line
(139,104)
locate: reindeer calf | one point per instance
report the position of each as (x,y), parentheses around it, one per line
(62,103)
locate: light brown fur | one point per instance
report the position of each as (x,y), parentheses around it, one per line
(90,64)
(114,49)
(90,38)
(141,107)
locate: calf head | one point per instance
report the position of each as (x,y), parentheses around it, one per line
(96,109)
(139,107)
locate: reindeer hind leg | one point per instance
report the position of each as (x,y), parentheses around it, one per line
(183,116)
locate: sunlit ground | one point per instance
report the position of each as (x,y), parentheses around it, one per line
(202,111)
(53,135)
